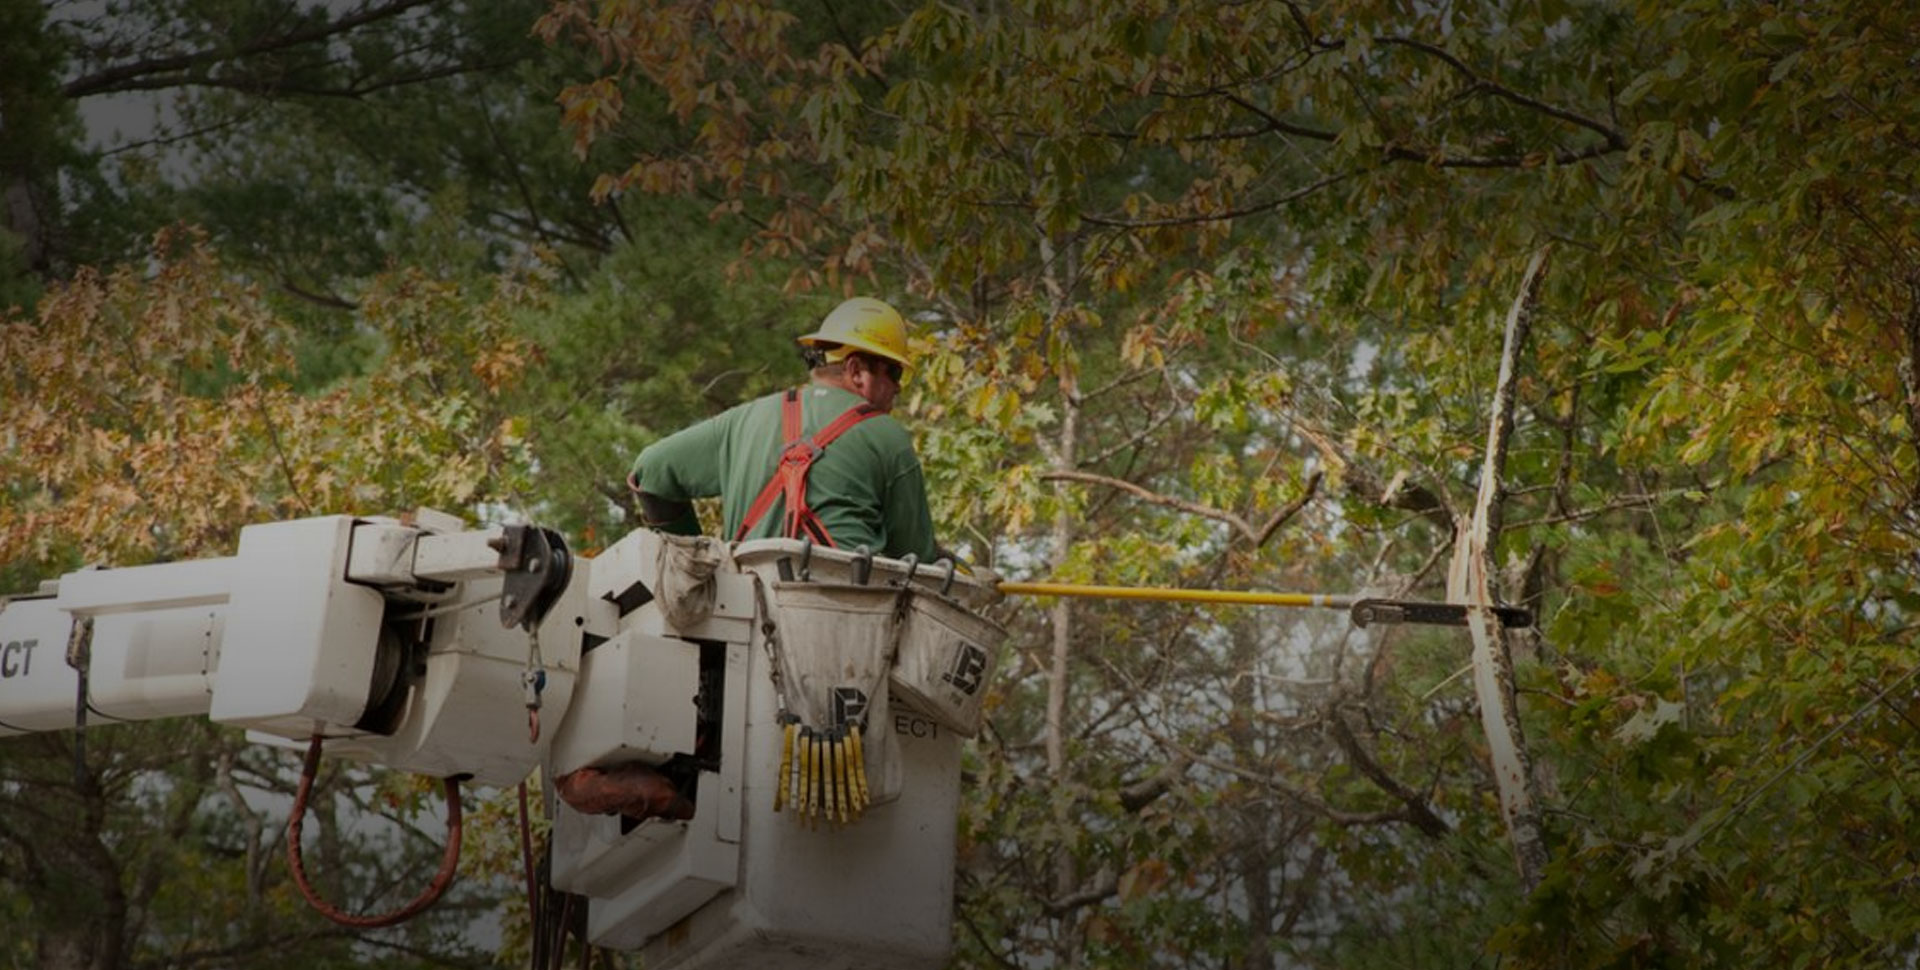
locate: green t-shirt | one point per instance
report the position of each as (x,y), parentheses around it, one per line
(866,487)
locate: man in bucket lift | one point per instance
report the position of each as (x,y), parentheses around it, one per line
(824,461)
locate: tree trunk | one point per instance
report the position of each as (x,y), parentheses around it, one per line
(82,908)
(1252,858)
(30,108)
(1066,874)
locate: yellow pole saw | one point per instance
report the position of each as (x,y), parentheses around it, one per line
(1363,610)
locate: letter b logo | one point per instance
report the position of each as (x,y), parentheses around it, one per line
(968,667)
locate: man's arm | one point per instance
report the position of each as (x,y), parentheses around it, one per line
(664,514)
(670,473)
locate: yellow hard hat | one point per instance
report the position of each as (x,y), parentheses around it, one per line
(864,324)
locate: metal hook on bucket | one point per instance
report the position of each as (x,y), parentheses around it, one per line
(946,582)
(806,557)
(862,565)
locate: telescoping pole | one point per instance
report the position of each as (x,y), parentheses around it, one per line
(1172,595)
(1363,610)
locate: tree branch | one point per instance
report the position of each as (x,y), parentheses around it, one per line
(986,945)
(1255,209)
(1291,509)
(1419,812)
(225,955)
(1153,498)
(1909,368)
(1106,885)
(1623,502)
(1292,792)
(1615,140)
(331,301)
(1241,526)
(1362,482)
(1144,792)
(131,76)
(1470,581)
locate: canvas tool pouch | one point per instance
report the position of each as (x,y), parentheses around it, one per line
(945,660)
(685,585)
(834,650)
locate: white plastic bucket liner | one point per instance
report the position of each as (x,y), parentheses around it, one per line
(836,645)
(946,660)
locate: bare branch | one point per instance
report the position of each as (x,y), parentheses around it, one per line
(135,75)
(1144,792)
(1615,140)
(1909,368)
(1362,482)
(331,301)
(280,452)
(1267,205)
(1106,885)
(1470,581)
(1241,526)
(1289,790)
(1291,509)
(226,955)
(1419,812)
(1647,501)
(255,84)
(988,946)
(1155,498)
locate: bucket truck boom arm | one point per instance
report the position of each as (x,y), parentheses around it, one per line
(328,625)
(423,645)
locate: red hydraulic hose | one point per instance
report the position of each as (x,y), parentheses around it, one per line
(526,856)
(449,860)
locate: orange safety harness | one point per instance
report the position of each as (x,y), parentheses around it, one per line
(790,475)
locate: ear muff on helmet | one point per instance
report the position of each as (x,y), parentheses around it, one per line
(863,324)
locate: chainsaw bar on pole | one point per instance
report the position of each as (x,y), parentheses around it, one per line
(1367,612)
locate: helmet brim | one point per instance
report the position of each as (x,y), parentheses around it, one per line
(818,342)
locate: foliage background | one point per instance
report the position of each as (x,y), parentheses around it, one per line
(1209,295)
